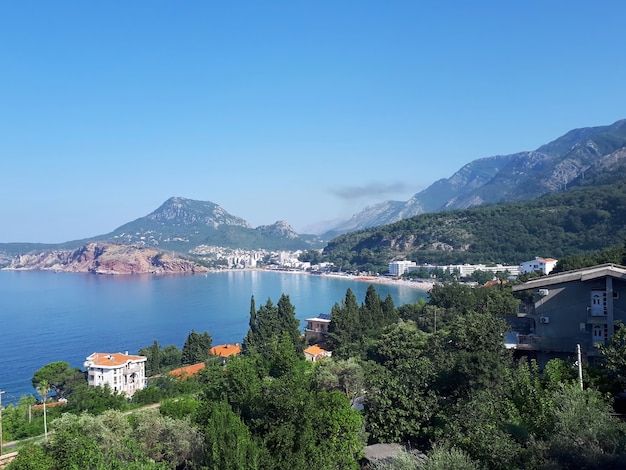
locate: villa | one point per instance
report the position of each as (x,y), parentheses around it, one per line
(123,373)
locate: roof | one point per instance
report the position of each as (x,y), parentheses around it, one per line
(186,371)
(584,274)
(322,317)
(315,350)
(225,350)
(113,359)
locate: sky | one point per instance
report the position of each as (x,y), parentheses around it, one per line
(304,111)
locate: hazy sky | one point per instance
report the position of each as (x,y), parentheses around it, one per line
(299,110)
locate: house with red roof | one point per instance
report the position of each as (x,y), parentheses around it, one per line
(316,352)
(123,373)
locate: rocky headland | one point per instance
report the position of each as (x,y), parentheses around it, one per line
(107,258)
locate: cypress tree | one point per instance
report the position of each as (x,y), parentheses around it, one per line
(196,348)
(289,323)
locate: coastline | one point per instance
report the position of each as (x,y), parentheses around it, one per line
(419,284)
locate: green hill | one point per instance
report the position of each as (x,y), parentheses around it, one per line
(587,218)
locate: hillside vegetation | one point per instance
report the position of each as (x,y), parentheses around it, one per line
(587,218)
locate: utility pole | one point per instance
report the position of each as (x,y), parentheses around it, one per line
(1,392)
(580,366)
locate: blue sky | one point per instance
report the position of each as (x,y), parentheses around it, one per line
(297,111)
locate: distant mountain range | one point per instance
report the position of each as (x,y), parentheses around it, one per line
(182,225)
(563,163)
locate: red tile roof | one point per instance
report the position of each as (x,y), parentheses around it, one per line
(187,371)
(225,350)
(315,350)
(113,360)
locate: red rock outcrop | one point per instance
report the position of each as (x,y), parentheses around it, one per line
(105,258)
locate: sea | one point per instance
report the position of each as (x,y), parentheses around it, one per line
(48,316)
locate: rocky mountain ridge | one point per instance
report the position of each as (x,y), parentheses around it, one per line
(562,163)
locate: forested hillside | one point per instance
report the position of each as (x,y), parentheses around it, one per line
(587,218)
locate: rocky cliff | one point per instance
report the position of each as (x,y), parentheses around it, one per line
(106,258)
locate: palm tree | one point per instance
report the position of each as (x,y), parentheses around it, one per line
(44,389)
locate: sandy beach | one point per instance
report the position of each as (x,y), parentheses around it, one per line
(413,284)
(417,284)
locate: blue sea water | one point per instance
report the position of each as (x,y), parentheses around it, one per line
(47,316)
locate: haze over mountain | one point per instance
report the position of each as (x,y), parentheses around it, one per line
(562,163)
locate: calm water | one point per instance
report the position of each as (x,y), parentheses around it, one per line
(46,317)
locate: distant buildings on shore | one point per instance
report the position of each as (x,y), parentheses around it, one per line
(542,265)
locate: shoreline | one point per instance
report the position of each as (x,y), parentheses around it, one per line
(420,285)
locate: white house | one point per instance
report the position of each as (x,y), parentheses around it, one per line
(123,373)
(543,265)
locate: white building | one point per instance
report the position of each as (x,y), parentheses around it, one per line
(123,373)
(465,270)
(543,265)
(398,268)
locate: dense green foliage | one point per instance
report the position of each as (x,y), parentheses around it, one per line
(269,323)
(447,387)
(572,222)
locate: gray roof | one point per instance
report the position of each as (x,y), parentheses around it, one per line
(585,274)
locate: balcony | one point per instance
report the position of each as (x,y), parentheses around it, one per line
(552,344)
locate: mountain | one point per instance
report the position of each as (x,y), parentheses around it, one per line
(563,163)
(182,225)
(589,217)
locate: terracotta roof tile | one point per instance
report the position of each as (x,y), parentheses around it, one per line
(225,350)
(112,360)
(187,371)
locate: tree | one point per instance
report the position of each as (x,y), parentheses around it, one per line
(32,457)
(60,377)
(228,442)
(585,433)
(344,328)
(153,358)
(270,322)
(346,376)
(196,348)
(614,357)
(289,323)
(400,403)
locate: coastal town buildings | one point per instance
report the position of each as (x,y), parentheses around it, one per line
(123,373)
